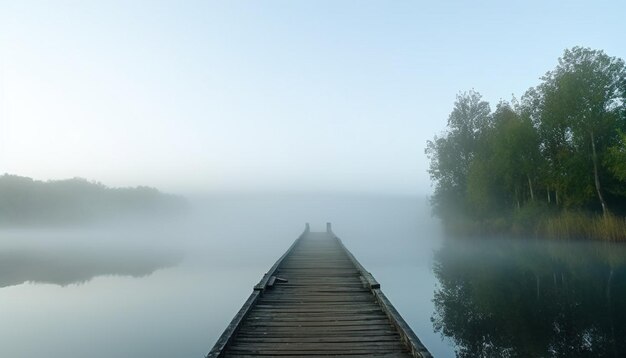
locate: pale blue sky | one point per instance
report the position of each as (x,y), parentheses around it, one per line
(240,95)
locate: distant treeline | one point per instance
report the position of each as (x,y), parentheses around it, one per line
(28,202)
(552,163)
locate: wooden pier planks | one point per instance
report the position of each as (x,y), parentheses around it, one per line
(328,306)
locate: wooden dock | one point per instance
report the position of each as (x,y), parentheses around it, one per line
(318,301)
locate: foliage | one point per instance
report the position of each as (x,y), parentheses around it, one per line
(452,154)
(560,148)
(616,160)
(25,201)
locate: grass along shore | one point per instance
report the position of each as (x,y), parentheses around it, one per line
(566,225)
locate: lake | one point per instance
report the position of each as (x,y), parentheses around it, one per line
(170,288)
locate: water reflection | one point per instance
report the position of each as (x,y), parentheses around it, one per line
(531,299)
(67,266)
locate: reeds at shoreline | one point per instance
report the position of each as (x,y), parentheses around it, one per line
(578,225)
(565,225)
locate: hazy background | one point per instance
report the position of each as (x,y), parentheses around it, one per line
(250,109)
(169,289)
(282,95)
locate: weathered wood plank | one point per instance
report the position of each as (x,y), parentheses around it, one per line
(354,339)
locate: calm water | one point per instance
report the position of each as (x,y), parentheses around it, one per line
(171,290)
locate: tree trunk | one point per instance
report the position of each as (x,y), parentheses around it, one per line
(594,158)
(530,185)
(548,191)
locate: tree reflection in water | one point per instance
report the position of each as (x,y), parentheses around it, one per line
(68,266)
(531,299)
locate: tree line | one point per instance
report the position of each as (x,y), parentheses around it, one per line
(561,147)
(28,202)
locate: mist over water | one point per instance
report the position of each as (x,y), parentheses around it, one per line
(170,288)
(266,115)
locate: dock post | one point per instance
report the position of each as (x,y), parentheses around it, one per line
(329,229)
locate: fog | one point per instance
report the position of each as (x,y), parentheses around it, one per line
(218,129)
(169,288)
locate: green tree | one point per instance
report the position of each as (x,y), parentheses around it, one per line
(515,145)
(564,139)
(583,98)
(616,159)
(452,153)
(505,167)
(545,112)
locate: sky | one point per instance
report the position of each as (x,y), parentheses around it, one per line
(265,95)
